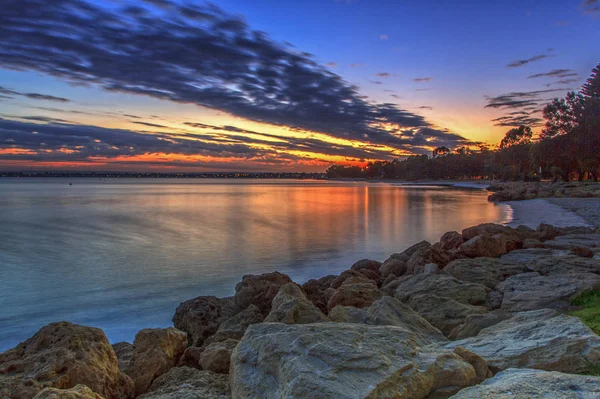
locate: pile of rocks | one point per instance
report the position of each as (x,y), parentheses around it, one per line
(516,191)
(481,313)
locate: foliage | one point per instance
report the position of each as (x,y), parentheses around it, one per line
(518,136)
(589,312)
(563,115)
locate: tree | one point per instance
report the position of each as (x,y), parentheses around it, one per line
(441,151)
(591,88)
(563,115)
(517,136)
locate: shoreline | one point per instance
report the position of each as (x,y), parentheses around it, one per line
(532,213)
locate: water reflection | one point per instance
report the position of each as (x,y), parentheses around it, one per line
(122,254)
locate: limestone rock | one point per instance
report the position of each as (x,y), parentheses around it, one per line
(443,313)
(491,229)
(259,290)
(530,291)
(291,306)
(393,266)
(532,243)
(581,240)
(474,323)
(339,280)
(189,383)
(343,361)
(155,351)
(235,327)
(357,295)
(443,286)
(484,245)
(216,356)
(424,256)
(539,339)
(451,240)
(583,252)
(78,392)
(123,350)
(431,268)
(530,254)
(367,264)
(191,357)
(410,251)
(200,317)
(484,271)
(315,291)
(63,355)
(347,314)
(534,384)
(547,232)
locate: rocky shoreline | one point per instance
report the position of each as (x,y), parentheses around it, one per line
(486,312)
(518,191)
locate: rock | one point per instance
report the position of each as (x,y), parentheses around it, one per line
(259,290)
(63,355)
(539,339)
(474,323)
(529,383)
(123,350)
(491,229)
(370,274)
(339,280)
(410,251)
(291,306)
(484,271)
(216,356)
(189,383)
(565,231)
(155,351)
(367,264)
(387,311)
(546,232)
(567,264)
(451,240)
(484,245)
(315,291)
(347,314)
(530,291)
(343,361)
(443,313)
(532,243)
(528,255)
(357,295)
(431,268)
(191,357)
(200,317)
(235,327)
(443,286)
(582,252)
(494,300)
(393,266)
(581,240)
(78,392)
(424,256)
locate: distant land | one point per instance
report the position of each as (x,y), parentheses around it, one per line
(159,175)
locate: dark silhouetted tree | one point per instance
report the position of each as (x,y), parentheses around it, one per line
(517,136)
(441,151)
(563,115)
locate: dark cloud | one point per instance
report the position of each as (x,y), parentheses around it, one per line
(191,54)
(555,73)
(519,63)
(383,74)
(395,96)
(522,108)
(377,82)
(149,124)
(562,82)
(591,7)
(425,107)
(34,96)
(422,80)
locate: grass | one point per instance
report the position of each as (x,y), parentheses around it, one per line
(589,309)
(592,369)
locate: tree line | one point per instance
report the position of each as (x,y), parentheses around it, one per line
(568,148)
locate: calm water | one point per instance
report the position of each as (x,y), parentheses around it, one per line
(122,254)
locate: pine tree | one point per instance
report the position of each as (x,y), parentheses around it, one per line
(591,88)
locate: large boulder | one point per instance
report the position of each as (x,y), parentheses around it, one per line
(216,356)
(542,339)
(235,327)
(547,232)
(351,274)
(315,291)
(393,266)
(443,313)
(366,264)
(530,291)
(491,229)
(484,245)
(78,392)
(424,256)
(347,314)
(291,306)
(200,317)
(410,251)
(359,295)
(388,311)
(63,355)
(581,240)
(343,361)
(484,271)
(567,264)
(123,350)
(155,351)
(474,323)
(189,383)
(259,290)
(451,240)
(534,384)
(443,286)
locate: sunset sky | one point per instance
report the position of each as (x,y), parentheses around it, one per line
(274,85)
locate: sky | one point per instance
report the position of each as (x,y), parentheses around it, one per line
(273,85)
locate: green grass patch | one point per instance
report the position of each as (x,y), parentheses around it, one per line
(589,310)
